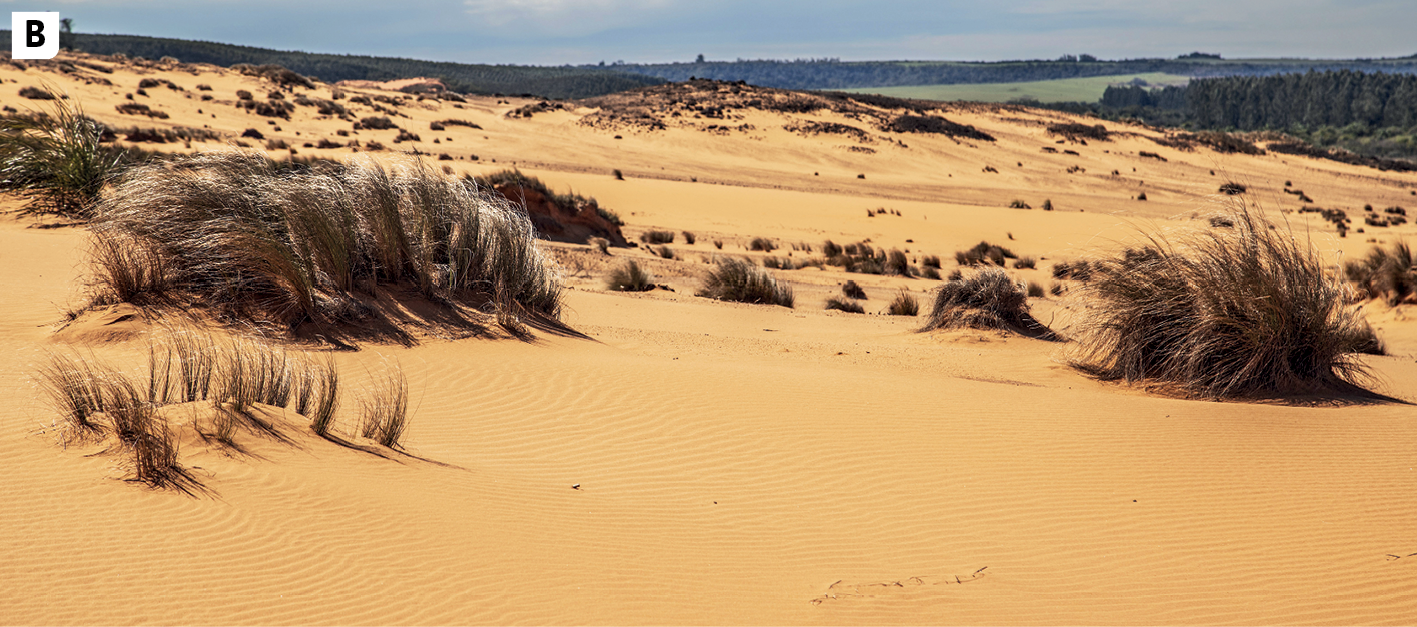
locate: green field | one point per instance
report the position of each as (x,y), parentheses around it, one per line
(1061,90)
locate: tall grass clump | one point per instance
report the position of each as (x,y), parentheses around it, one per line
(984,299)
(1242,311)
(254,239)
(1386,273)
(56,159)
(739,281)
(386,411)
(629,277)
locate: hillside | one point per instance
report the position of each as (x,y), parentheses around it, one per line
(686,460)
(546,82)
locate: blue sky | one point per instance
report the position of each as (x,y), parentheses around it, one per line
(554,32)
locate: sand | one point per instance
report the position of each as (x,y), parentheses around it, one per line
(737,464)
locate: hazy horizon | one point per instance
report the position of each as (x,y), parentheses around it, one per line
(557,32)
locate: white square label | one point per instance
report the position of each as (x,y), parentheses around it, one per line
(34,35)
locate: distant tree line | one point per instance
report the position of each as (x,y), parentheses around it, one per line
(833,74)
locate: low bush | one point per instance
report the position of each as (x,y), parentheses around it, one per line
(904,305)
(657,237)
(629,277)
(1389,274)
(986,299)
(740,281)
(982,253)
(1235,312)
(847,305)
(852,290)
(288,243)
(762,244)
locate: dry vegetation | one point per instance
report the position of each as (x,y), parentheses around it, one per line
(252,239)
(1244,310)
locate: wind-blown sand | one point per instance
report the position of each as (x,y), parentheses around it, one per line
(739,463)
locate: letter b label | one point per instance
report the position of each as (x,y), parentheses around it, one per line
(34,35)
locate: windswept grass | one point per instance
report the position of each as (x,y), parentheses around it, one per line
(55,158)
(740,281)
(985,299)
(75,389)
(256,240)
(1234,312)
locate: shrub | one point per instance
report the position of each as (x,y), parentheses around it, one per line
(57,159)
(405,136)
(830,249)
(1018,204)
(600,243)
(762,244)
(1389,274)
(852,290)
(904,305)
(629,278)
(619,176)
(35,93)
(657,237)
(665,252)
(1025,262)
(1141,196)
(457,123)
(718,244)
(897,263)
(688,238)
(377,123)
(1047,205)
(740,281)
(256,239)
(849,306)
(984,252)
(1232,189)
(434,126)
(931,273)
(1035,290)
(930,261)
(1243,311)
(986,299)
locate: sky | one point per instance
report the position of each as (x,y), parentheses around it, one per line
(557,32)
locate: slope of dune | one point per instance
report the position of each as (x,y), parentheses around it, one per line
(705,462)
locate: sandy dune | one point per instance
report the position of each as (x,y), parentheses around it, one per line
(736,464)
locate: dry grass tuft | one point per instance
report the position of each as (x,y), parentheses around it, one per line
(629,277)
(739,281)
(904,305)
(386,412)
(258,240)
(1244,311)
(843,304)
(1386,273)
(56,158)
(985,299)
